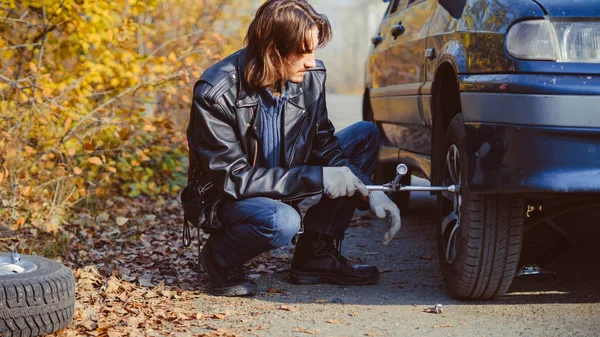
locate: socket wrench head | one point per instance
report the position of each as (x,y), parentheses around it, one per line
(401,170)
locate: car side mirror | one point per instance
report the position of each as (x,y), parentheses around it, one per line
(454,7)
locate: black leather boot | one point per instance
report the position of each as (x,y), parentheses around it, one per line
(225,281)
(317,260)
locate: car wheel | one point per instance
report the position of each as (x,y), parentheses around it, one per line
(385,173)
(479,236)
(37,295)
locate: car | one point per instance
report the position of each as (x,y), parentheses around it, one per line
(500,97)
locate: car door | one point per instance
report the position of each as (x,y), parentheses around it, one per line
(377,63)
(407,126)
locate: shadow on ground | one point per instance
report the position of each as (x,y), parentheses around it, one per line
(411,276)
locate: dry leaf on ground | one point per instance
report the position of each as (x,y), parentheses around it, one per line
(307,331)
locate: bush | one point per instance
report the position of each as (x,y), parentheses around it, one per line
(95,98)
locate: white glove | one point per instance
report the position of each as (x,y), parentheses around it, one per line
(341,182)
(381,205)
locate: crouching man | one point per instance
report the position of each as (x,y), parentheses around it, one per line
(259,136)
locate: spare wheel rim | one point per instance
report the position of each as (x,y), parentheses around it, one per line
(9,267)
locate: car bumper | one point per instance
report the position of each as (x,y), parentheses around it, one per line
(528,143)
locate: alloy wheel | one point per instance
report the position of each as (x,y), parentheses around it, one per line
(451,205)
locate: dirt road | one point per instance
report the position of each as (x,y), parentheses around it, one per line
(563,304)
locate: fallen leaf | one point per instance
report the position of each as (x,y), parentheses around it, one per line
(133,322)
(444,326)
(273,290)
(89,325)
(113,333)
(113,285)
(145,283)
(354,314)
(77,170)
(335,321)
(321,301)
(151,294)
(219,316)
(315,332)
(121,220)
(285,308)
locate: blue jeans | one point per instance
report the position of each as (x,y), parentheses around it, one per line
(255,225)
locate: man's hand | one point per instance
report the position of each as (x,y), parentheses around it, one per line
(381,206)
(341,182)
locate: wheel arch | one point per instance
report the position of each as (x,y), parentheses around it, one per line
(445,104)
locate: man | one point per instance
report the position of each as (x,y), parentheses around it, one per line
(259,135)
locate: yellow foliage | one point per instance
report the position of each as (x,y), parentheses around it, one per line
(94,98)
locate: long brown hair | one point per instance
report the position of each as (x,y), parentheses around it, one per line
(281,28)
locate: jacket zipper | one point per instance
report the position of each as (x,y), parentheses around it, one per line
(255,140)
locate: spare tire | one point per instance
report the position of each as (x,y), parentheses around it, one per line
(37,295)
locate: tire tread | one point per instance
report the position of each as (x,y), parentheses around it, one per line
(32,307)
(490,245)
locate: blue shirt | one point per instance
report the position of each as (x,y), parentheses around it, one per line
(271,111)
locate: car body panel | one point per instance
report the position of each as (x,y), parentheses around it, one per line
(535,122)
(528,159)
(528,109)
(551,84)
(573,8)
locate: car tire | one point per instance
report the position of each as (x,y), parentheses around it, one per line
(37,296)
(479,236)
(385,173)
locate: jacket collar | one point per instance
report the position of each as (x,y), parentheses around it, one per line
(247,98)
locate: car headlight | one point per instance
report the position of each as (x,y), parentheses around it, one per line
(561,41)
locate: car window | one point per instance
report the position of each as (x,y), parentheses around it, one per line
(397,5)
(387,10)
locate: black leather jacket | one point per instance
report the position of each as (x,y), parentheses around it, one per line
(223,136)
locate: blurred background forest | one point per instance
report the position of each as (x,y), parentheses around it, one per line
(95,95)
